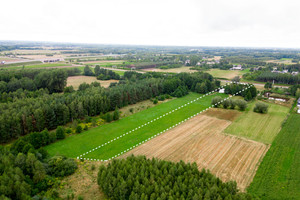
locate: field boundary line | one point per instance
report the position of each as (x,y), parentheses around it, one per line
(161,116)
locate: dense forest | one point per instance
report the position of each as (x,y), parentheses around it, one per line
(140,179)
(53,80)
(26,171)
(26,115)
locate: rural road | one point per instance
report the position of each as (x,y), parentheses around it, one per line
(258,84)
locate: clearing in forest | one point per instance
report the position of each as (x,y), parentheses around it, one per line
(228,74)
(75,81)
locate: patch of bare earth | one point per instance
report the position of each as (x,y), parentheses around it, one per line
(220,113)
(201,140)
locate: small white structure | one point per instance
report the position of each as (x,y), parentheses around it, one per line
(222,91)
(187,62)
(3,62)
(295,73)
(237,67)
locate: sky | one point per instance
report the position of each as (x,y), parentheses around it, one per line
(235,23)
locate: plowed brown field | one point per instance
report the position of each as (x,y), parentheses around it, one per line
(201,140)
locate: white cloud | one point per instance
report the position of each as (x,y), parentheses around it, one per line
(157,22)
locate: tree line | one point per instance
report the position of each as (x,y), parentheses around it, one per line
(28,115)
(140,178)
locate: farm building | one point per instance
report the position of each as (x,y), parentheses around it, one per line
(51,60)
(237,67)
(271,96)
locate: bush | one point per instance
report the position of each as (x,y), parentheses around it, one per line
(161,97)
(52,137)
(78,129)
(226,103)
(131,110)
(83,86)
(69,89)
(60,166)
(107,117)
(68,130)
(232,103)
(116,114)
(86,128)
(155,101)
(242,104)
(216,101)
(60,133)
(261,107)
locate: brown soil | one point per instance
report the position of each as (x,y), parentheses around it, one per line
(220,113)
(201,140)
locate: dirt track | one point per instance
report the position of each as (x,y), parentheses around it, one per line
(201,140)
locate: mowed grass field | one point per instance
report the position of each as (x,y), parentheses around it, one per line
(228,74)
(78,144)
(278,176)
(259,127)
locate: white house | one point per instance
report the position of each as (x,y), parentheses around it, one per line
(237,67)
(222,90)
(187,62)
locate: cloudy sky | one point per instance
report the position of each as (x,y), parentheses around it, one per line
(246,23)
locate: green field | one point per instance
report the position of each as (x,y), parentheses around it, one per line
(19,65)
(227,74)
(38,66)
(259,127)
(78,144)
(278,176)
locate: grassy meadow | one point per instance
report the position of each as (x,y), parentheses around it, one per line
(227,74)
(76,145)
(259,127)
(278,176)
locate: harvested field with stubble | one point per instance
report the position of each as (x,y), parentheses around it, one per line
(75,81)
(201,140)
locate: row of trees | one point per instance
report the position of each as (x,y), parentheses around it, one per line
(105,74)
(229,103)
(248,94)
(141,178)
(278,78)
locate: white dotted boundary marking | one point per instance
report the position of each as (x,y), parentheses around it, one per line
(114,139)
